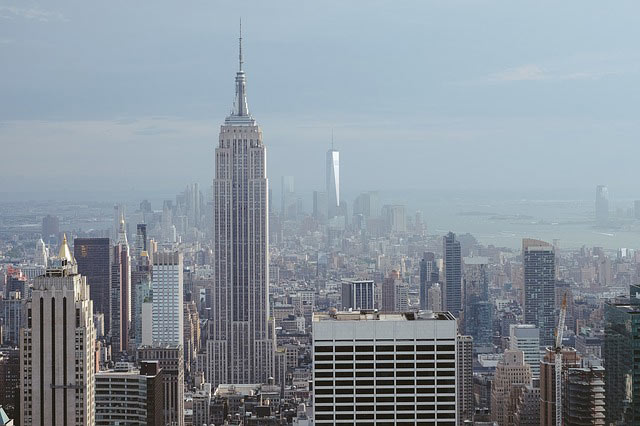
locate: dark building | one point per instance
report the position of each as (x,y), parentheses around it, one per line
(171,361)
(50,226)
(477,315)
(94,262)
(155,392)
(10,382)
(452,289)
(539,260)
(141,239)
(622,362)
(429,275)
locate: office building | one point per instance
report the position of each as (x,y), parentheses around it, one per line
(358,294)
(511,371)
(602,205)
(526,337)
(50,227)
(94,262)
(141,239)
(10,395)
(141,282)
(429,274)
(539,260)
(477,313)
(435,298)
(120,293)
(128,396)
(464,371)
(527,404)
(320,206)
(570,359)
(379,368)
(57,360)
(288,201)
(167,302)
(170,360)
(11,311)
(333,183)
(395,219)
(622,372)
(241,348)
(452,265)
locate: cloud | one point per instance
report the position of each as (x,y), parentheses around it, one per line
(32,14)
(533,72)
(522,73)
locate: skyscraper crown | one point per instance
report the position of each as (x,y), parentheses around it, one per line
(240,112)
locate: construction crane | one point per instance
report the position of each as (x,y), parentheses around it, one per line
(558,366)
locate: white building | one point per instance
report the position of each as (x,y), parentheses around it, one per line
(526,338)
(384,368)
(167,306)
(57,359)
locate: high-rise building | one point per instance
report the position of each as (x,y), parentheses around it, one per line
(167,294)
(511,371)
(94,262)
(526,337)
(570,359)
(241,348)
(429,275)
(320,206)
(288,202)
(57,360)
(50,227)
(10,375)
(464,372)
(141,284)
(452,265)
(527,404)
(333,183)
(435,298)
(141,239)
(128,396)
(539,260)
(395,218)
(622,370)
(602,205)
(358,294)
(477,313)
(41,254)
(170,360)
(379,368)
(120,293)
(11,312)
(584,396)
(395,294)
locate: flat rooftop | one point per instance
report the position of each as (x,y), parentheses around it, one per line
(382,316)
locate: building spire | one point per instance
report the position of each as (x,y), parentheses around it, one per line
(240,50)
(240,106)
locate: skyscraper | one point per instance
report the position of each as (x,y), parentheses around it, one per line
(240,349)
(120,292)
(358,294)
(452,265)
(288,202)
(429,275)
(477,312)
(50,227)
(57,360)
(602,205)
(464,371)
(539,260)
(510,372)
(168,304)
(94,262)
(333,183)
(526,338)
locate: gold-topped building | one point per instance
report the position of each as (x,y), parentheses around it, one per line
(57,345)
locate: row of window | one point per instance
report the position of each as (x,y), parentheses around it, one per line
(381,365)
(387,348)
(379,407)
(371,399)
(381,391)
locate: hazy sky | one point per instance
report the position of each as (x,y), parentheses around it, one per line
(122,95)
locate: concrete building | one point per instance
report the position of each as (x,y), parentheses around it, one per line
(584,397)
(510,372)
(379,368)
(94,262)
(358,294)
(539,260)
(435,298)
(170,360)
(57,360)
(395,294)
(241,348)
(452,265)
(570,359)
(526,338)
(120,293)
(465,379)
(128,396)
(527,405)
(168,305)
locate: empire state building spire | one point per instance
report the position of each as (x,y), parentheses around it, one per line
(240,106)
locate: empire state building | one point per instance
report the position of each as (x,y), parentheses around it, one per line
(241,346)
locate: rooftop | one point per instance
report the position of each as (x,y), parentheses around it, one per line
(381,316)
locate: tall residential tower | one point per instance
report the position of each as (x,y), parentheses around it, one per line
(241,347)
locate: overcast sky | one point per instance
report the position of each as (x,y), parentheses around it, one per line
(442,95)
